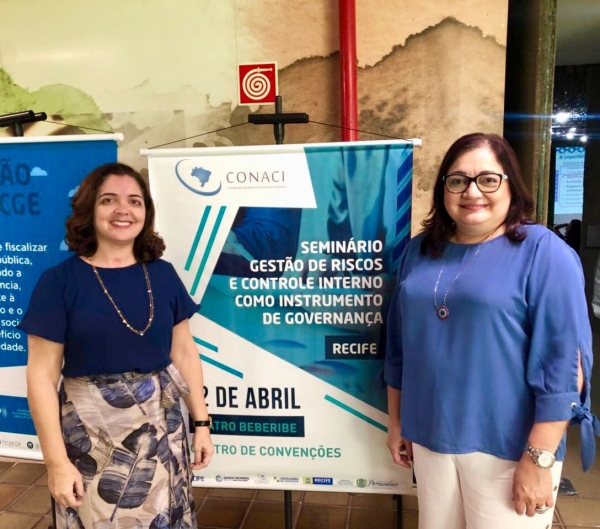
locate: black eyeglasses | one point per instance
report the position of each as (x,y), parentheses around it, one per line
(486,182)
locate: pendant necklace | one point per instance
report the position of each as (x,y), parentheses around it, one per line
(150,298)
(442,310)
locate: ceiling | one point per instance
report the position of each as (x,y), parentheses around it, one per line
(578,32)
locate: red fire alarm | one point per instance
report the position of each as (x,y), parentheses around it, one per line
(257,83)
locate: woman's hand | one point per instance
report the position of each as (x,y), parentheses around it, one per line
(203,448)
(66,484)
(532,487)
(401,449)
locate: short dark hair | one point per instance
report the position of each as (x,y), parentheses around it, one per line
(439,226)
(81,234)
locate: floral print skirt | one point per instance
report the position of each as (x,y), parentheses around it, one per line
(126,436)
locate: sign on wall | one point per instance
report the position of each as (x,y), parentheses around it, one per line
(38,175)
(569,173)
(257,83)
(291,251)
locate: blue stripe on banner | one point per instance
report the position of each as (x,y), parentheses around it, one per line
(402,209)
(201,226)
(208,248)
(405,233)
(209,346)
(356,413)
(403,206)
(406,154)
(402,235)
(404,180)
(403,222)
(403,196)
(225,368)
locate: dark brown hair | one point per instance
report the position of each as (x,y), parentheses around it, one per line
(439,226)
(81,234)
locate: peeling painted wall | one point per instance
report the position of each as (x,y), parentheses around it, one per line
(433,70)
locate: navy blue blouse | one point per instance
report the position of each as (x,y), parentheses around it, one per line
(68,306)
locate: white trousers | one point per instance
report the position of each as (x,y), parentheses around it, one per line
(472,491)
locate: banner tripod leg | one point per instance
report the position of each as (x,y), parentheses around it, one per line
(287,502)
(399,521)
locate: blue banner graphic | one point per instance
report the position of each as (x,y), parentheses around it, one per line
(37,179)
(349,245)
(291,250)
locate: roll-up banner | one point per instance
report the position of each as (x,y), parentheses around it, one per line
(291,251)
(38,175)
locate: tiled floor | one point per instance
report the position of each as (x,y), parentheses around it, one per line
(25,503)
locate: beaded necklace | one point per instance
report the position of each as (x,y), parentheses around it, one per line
(123,319)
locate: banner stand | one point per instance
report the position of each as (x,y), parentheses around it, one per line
(399,521)
(278,120)
(38,177)
(287,505)
(291,251)
(278,128)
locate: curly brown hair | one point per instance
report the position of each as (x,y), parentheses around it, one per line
(439,226)
(81,234)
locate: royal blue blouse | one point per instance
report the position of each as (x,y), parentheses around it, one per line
(505,357)
(68,306)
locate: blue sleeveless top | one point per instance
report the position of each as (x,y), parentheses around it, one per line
(68,306)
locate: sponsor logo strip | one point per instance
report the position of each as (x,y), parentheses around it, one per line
(317,481)
(356,413)
(243,479)
(322,481)
(383,484)
(286,480)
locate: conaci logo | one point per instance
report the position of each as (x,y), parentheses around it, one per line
(196,178)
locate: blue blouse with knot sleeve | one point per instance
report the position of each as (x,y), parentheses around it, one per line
(68,306)
(506,356)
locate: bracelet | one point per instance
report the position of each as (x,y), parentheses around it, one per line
(208,423)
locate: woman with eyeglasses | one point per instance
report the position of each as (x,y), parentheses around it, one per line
(488,351)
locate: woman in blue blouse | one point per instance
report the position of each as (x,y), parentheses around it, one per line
(489,350)
(113,319)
